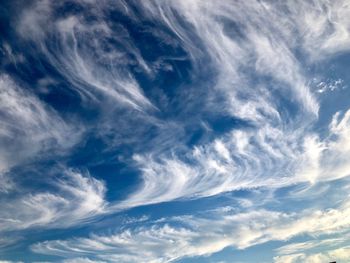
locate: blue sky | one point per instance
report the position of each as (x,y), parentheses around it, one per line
(174,131)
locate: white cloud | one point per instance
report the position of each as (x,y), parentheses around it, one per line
(29,127)
(82,260)
(206,172)
(302,247)
(8,240)
(226,37)
(263,157)
(227,42)
(82,52)
(330,86)
(322,249)
(338,255)
(30,131)
(324,26)
(236,35)
(186,236)
(268,49)
(232,36)
(328,159)
(74,199)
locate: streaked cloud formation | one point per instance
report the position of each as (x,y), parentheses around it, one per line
(165,131)
(199,236)
(76,197)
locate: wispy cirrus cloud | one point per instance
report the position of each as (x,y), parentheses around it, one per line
(82,260)
(231,40)
(340,254)
(245,160)
(171,239)
(85,51)
(295,248)
(233,37)
(149,77)
(30,131)
(73,199)
(276,146)
(29,127)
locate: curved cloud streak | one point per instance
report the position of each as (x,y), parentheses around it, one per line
(74,199)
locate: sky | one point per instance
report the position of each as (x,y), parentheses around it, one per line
(178,131)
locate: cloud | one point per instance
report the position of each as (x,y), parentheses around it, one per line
(230,36)
(255,44)
(324,26)
(75,198)
(82,260)
(8,240)
(244,159)
(338,255)
(230,40)
(330,86)
(175,238)
(328,158)
(323,249)
(29,127)
(227,164)
(226,38)
(85,51)
(30,131)
(295,248)
(242,64)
